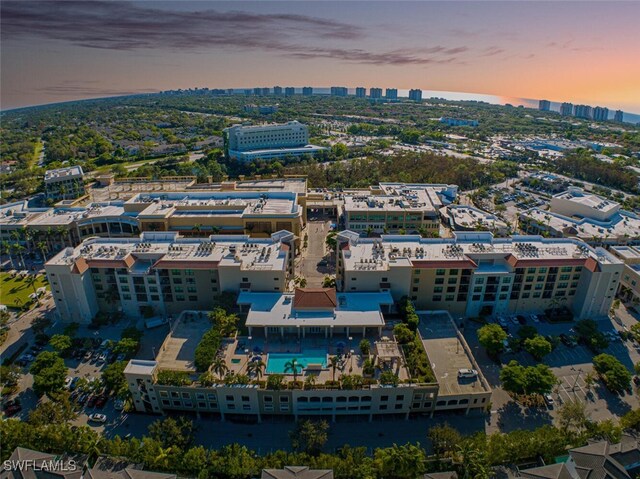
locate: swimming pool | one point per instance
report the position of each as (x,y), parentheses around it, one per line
(276,361)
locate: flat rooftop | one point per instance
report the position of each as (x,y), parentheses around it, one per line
(353,309)
(466,250)
(216,203)
(469,217)
(587,199)
(448,354)
(63,173)
(169,250)
(66,216)
(620,224)
(178,349)
(401,197)
(628,253)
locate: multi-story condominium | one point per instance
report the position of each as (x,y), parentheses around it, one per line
(322,397)
(375,93)
(361,92)
(307,91)
(163,273)
(201,213)
(395,207)
(468,218)
(257,91)
(618,116)
(415,95)
(289,91)
(583,111)
(391,94)
(475,274)
(64,183)
(277,90)
(268,141)
(576,213)
(339,91)
(630,282)
(544,105)
(566,109)
(600,113)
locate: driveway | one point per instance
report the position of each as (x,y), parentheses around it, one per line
(314,253)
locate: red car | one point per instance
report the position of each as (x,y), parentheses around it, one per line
(101,401)
(92,401)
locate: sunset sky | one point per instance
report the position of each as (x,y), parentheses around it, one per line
(584,52)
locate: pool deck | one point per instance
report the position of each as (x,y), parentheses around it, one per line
(244,349)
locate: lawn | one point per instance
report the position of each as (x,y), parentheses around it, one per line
(14,292)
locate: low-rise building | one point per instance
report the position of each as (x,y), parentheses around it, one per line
(458,122)
(394,207)
(324,364)
(64,183)
(468,218)
(475,274)
(296,472)
(164,274)
(545,181)
(576,213)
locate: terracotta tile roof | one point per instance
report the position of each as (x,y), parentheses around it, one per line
(314,298)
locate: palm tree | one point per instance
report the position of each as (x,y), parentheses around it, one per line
(197,228)
(293,366)
(19,249)
(162,459)
(31,281)
(309,382)
(6,249)
(334,363)
(257,368)
(219,367)
(42,246)
(61,231)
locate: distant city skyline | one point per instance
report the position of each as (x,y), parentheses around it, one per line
(61,51)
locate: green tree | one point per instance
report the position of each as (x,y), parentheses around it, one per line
(572,415)
(126,346)
(365,347)
(114,379)
(444,439)
(631,420)
(219,367)
(334,362)
(224,322)
(171,432)
(518,379)
(401,462)
(275,382)
(491,337)
(49,373)
(60,343)
(538,346)
(612,372)
(309,436)
(293,367)
(57,411)
(388,377)
(402,333)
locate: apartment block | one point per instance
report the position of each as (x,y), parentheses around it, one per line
(583,111)
(618,116)
(307,91)
(544,105)
(268,141)
(64,183)
(566,109)
(277,90)
(361,92)
(600,113)
(392,207)
(164,273)
(391,94)
(289,91)
(475,274)
(415,95)
(375,93)
(339,91)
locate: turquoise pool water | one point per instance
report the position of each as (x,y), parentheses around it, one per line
(276,361)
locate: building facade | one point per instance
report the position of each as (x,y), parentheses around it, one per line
(391,94)
(566,109)
(307,91)
(64,183)
(544,105)
(583,111)
(339,91)
(415,95)
(375,93)
(630,282)
(600,113)
(475,274)
(361,92)
(163,273)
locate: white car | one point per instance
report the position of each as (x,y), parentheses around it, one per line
(548,399)
(118,405)
(67,382)
(467,373)
(534,318)
(514,320)
(97,417)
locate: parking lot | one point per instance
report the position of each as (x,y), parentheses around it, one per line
(570,364)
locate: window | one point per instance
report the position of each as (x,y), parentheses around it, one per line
(440,272)
(476,297)
(437,298)
(284,398)
(479,281)
(477,289)
(452,280)
(439,280)
(437,289)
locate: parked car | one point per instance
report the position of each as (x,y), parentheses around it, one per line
(636,380)
(82,398)
(92,401)
(118,405)
(97,417)
(101,401)
(13,409)
(467,373)
(534,318)
(521,319)
(102,358)
(548,400)
(67,382)
(514,320)
(88,355)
